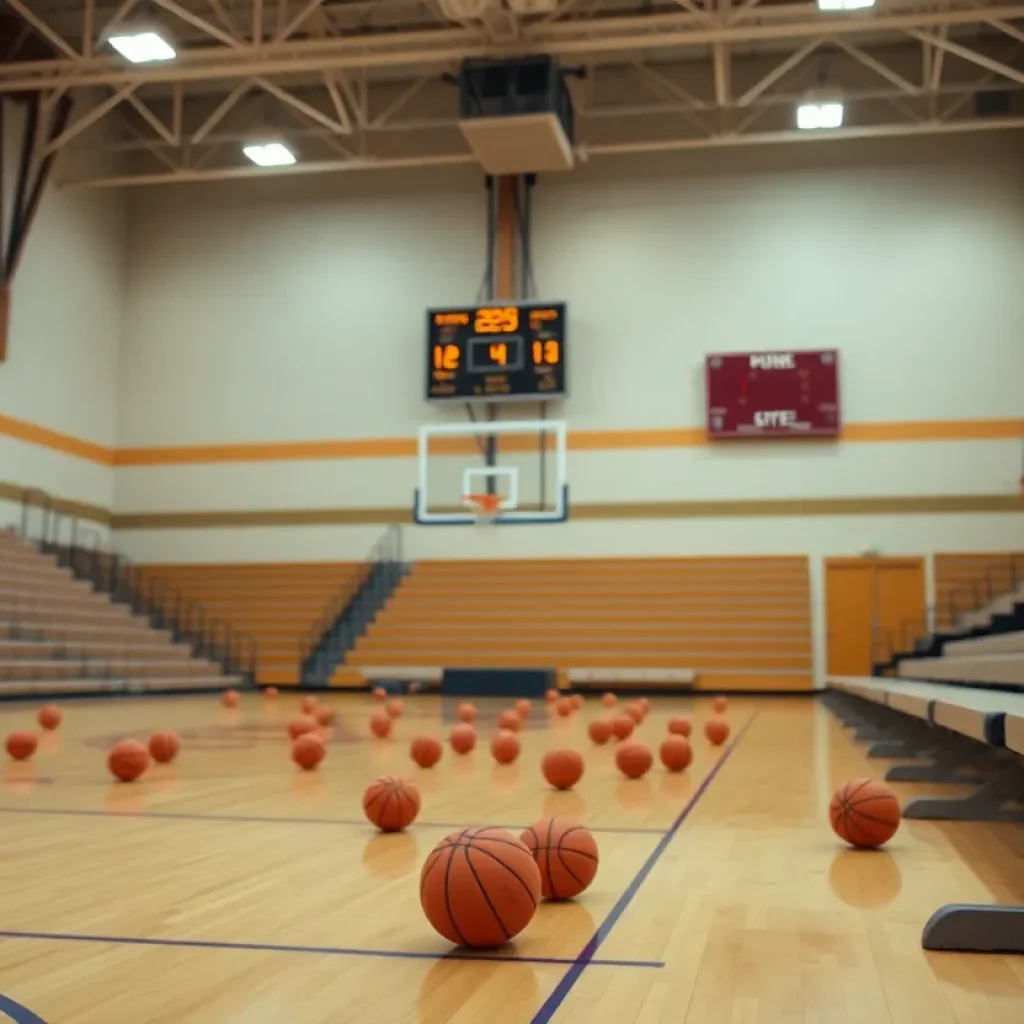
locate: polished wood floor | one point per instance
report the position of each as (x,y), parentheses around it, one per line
(231,888)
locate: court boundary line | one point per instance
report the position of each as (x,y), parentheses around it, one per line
(83,812)
(356,951)
(586,958)
(18,1014)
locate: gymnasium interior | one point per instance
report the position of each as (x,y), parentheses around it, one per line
(512,511)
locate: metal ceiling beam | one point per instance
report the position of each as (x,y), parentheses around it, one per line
(50,35)
(995,66)
(204,26)
(439,46)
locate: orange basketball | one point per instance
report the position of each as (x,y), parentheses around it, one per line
(127,760)
(645,704)
(324,715)
(426,751)
(466,713)
(622,727)
(600,731)
(505,747)
(308,751)
(864,813)
(300,726)
(635,711)
(562,768)
(462,738)
(479,887)
(675,753)
(551,695)
(50,716)
(564,707)
(680,725)
(379,693)
(163,747)
(609,700)
(381,724)
(717,731)
(21,745)
(720,704)
(577,701)
(523,708)
(634,760)
(229,698)
(270,693)
(566,855)
(509,721)
(391,803)
(308,704)
(396,707)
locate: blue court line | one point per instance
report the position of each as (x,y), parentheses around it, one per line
(586,957)
(266,947)
(18,1013)
(259,820)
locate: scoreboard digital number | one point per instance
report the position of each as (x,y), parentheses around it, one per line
(489,353)
(773,394)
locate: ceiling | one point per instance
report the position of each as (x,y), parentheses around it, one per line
(367,84)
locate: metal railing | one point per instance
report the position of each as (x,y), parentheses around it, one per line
(84,552)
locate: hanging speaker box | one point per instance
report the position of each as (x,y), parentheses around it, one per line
(516,115)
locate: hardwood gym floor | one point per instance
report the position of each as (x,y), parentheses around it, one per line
(232,889)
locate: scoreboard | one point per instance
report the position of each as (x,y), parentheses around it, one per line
(494,352)
(773,394)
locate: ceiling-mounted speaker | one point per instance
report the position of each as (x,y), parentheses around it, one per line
(517,115)
(992,103)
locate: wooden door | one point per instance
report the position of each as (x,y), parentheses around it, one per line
(867,602)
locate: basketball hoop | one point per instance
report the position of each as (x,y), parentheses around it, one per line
(485,507)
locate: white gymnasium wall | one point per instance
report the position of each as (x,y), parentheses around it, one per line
(65,330)
(292,311)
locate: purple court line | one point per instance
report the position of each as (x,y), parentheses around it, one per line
(18,1013)
(586,957)
(259,820)
(266,947)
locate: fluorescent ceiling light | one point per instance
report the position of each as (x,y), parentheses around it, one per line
(810,116)
(844,5)
(270,154)
(142,47)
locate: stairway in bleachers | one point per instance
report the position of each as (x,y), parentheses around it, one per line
(741,623)
(59,636)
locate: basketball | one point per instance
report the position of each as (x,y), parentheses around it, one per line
(308,751)
(634,760)
(308,705)
(466,713)
(562,768)
(462,738)
(229,698)
(396,707)
(675,753)
(551,695)
(864,813)
(564,707)
(566,856)
(50,716)
(381,724)
(479,887)
(717,731)
(426,751)
(680,725)
(577,701)
(163,747)
(21,745)
(379,693)
(510,721)
(324,715)
(622,727)
(523,708)
(391,803)
(128,760)
(600,731)
(635,711)
(301,725)
(270,693)
(505,747)
(720,704)
(645,705)
(609,700)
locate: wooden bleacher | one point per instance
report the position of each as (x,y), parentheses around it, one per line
(727,623)
(278,604)
(964,581)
